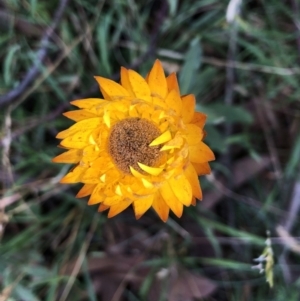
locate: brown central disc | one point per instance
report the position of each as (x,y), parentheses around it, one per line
(129,143)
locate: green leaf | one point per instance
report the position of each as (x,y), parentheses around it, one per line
(33,7)
(243,235)
(293,162)
(190,66)
(215,139)
(8,63)
(103,43)
(88,282)
(25,293)
(36,271)
(173,5)
(222,263)
(220,112)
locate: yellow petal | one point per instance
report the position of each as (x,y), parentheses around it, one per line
(87,124)
(146,115)
(200,153)
(171,200)
(116,209)
(194,201)
(173,83)
(165,137)
(164,126)
(74,175)
(106,118)
(174,102)
(139,86)
(118,190)
(144,107)
(176,142)
(160,206)
(92,174)
(202,168)
(199,119)
(102,208)
(132,187)
(159,102)
(142,205)
(193,135)
(92,141)
(88,102)
(90,153)
(157,115)
(78,140)
(192,177)
(135,173)
(110,89)
(97,195)
(71,156)
(86,190)
(140,189)
(182,189)
(125,81)
(112,188)
(78,115)
(119,105)
(154,171)
(112,174)
(103,178)
(188,105)
(147,184)
(133,111)
(157,80)
(113,200)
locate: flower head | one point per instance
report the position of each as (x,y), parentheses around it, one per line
(141,145)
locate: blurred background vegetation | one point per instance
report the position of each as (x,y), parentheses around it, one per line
(244,71)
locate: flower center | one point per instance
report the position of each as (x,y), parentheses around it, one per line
(129,141)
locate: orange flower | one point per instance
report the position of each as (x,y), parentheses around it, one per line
(141,145)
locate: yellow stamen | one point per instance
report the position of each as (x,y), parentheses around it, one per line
(92,140)
(106,119)
(102,178)
(118,190)
(154,171)
(135,173)
(165,137)
(146,183)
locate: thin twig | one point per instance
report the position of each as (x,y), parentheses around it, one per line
(289,223)
(41,54)
(6,143)
(253,67)
(6,165)
(292,243)
(294,208)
